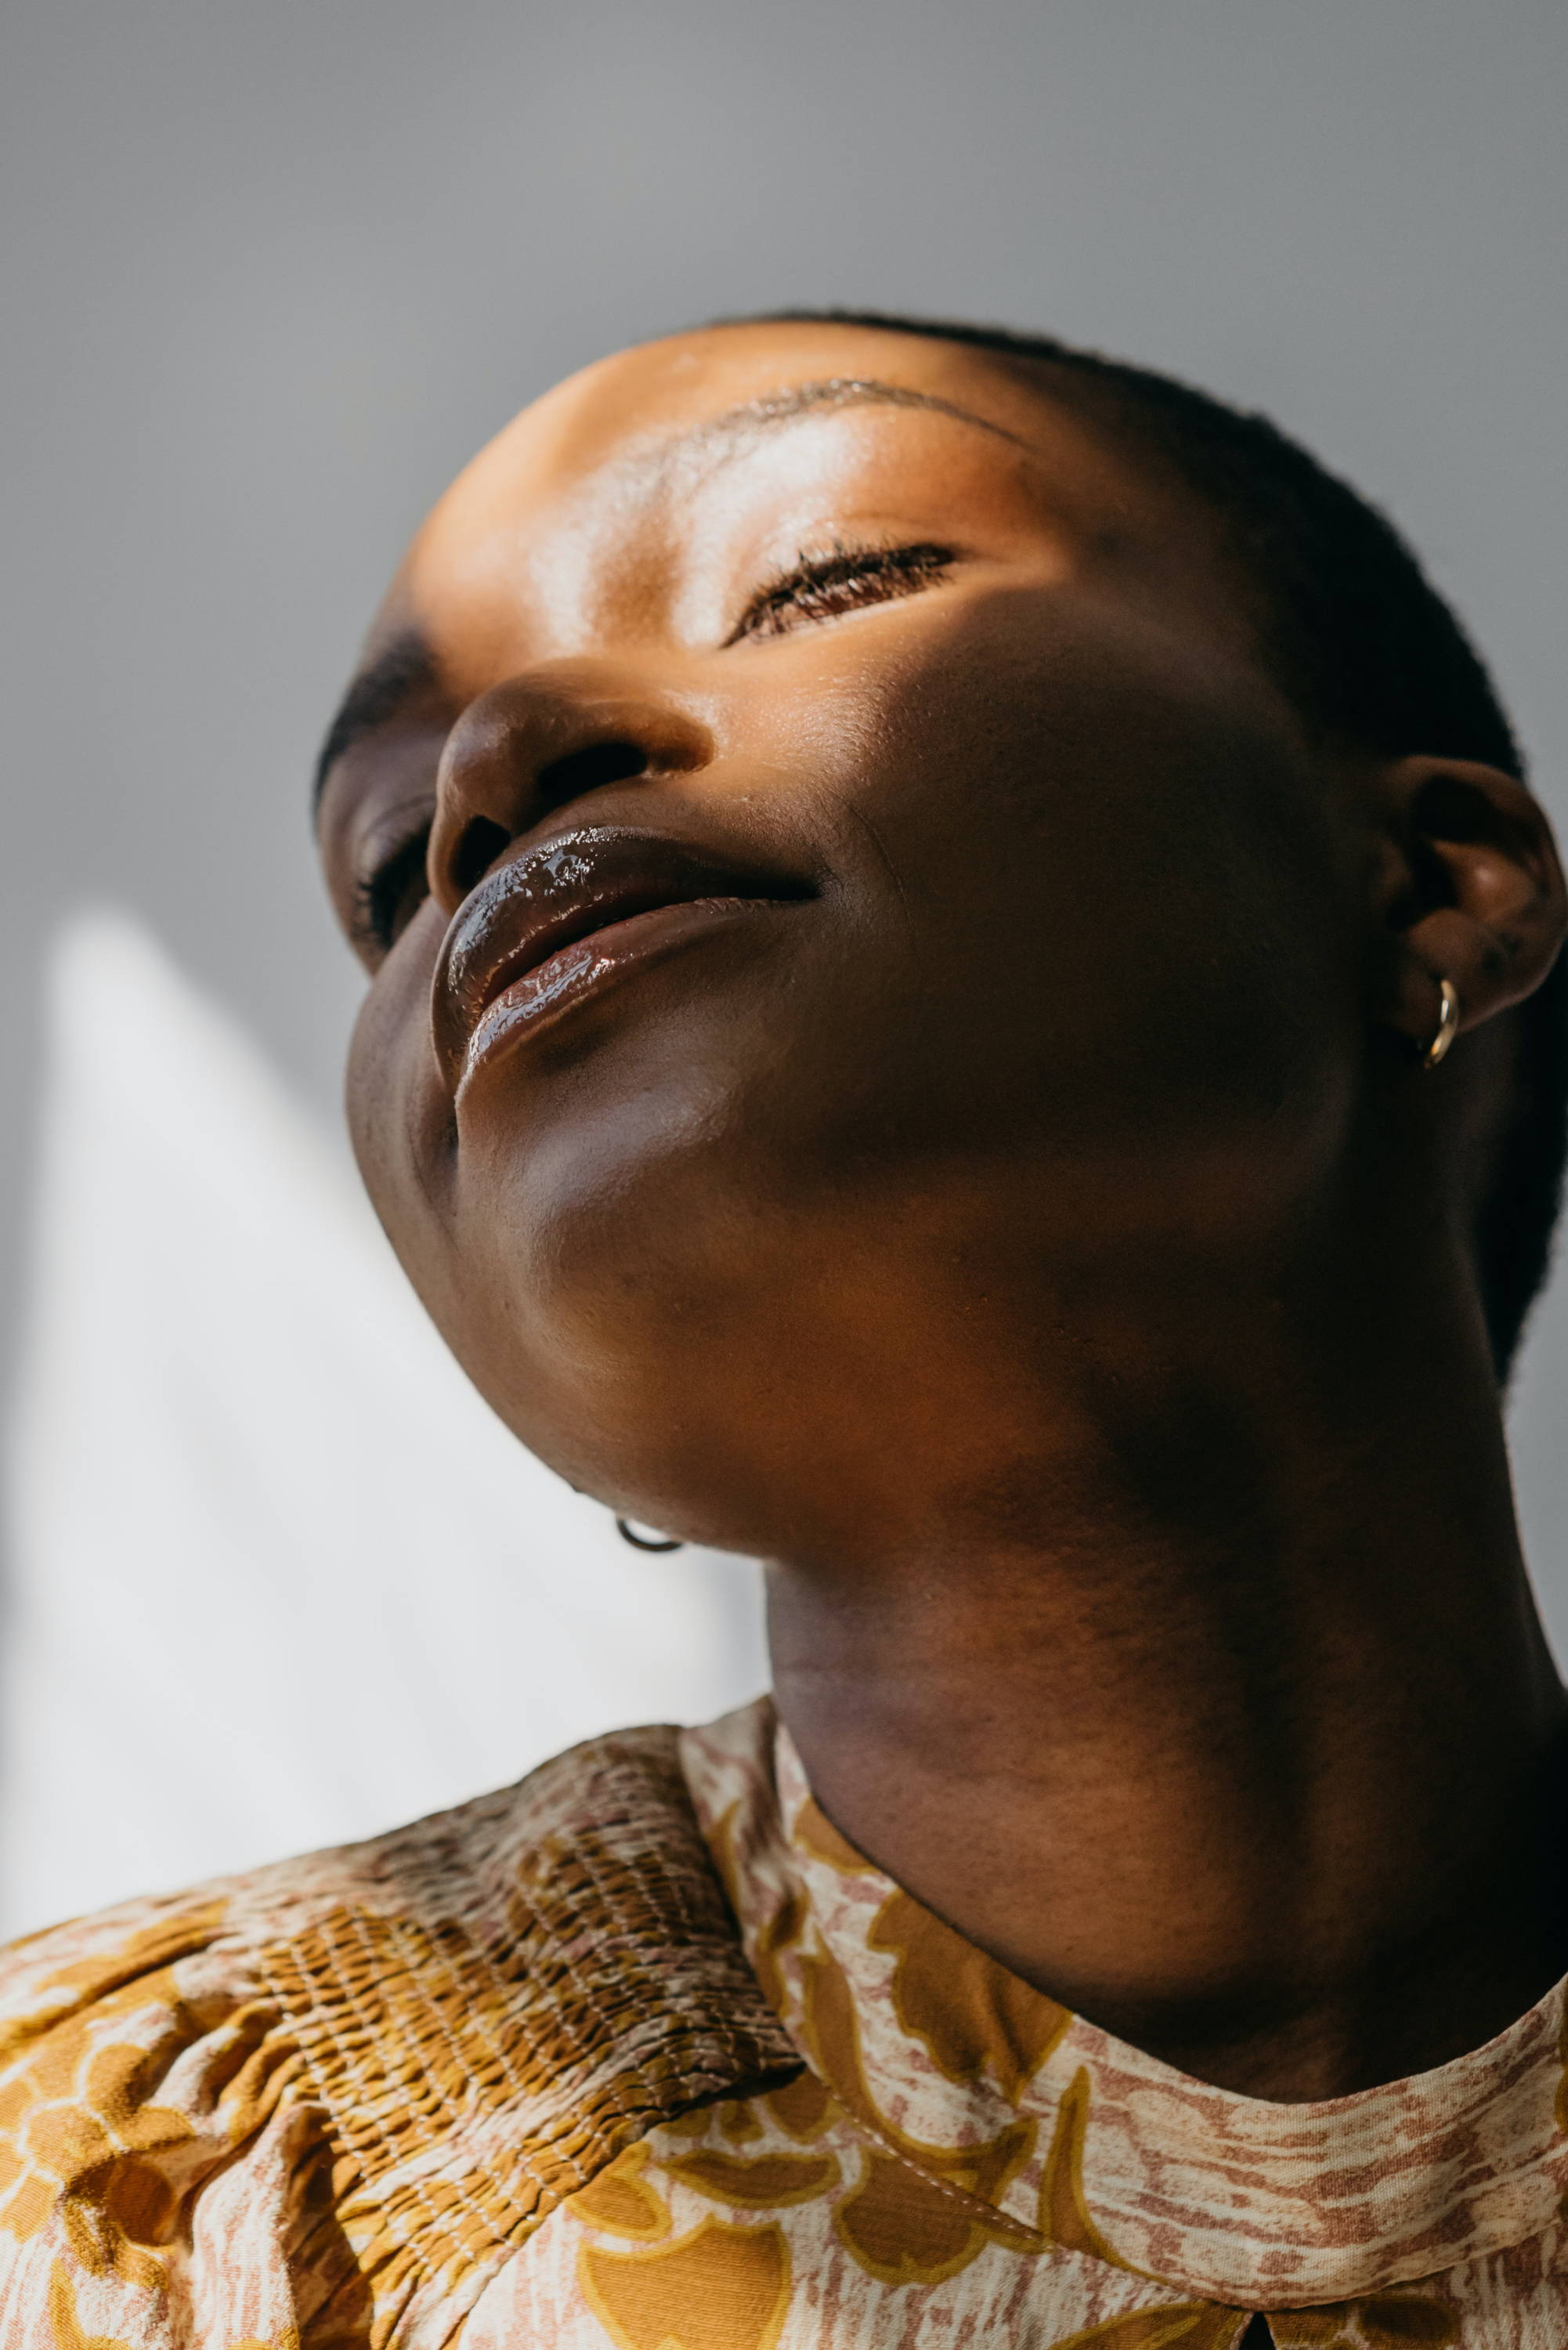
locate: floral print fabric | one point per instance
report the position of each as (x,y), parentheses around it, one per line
(1124,2203)
(512,2078)
(320,2107)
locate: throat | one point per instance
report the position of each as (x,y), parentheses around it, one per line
(1292,1890)
(1204,1686)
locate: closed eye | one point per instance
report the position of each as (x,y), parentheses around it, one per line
(842,582)
(386,899)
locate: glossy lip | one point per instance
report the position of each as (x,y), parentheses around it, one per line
(559,921)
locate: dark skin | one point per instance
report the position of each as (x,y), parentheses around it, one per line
(1011,1204)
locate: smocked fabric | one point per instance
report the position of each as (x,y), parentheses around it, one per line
(642,2056)
(320,2106)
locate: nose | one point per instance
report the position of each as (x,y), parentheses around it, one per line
(539,740)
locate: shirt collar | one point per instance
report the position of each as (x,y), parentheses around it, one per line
(1064,2136)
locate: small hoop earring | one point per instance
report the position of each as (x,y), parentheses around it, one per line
(1448,1025)
(629,1533)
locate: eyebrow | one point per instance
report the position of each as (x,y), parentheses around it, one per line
(773,408)
(400,672)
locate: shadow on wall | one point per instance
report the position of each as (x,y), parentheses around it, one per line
(279,1578)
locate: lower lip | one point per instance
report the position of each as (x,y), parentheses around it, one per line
(567,978)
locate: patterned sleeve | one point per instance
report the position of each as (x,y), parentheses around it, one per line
(158,2189)
(323,2105)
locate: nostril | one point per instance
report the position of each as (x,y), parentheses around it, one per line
(482,842)
(479,846)
(584,771)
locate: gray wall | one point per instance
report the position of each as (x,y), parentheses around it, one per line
(271,272)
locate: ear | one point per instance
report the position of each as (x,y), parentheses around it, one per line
(1470,890)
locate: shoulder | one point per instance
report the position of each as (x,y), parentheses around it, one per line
(437,2035)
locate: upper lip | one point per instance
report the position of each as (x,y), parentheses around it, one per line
(561,890)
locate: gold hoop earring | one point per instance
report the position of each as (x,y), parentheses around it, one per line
(1448,1025)
(647,1540)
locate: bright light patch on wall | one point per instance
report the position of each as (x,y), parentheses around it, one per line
(279,1578)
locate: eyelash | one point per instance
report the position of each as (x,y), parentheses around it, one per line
(379,897)
(842,582)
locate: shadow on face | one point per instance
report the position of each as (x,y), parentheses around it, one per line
(836,877)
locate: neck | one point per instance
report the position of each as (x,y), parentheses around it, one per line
(1233,1728)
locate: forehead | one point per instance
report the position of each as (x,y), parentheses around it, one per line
(683,380)
(630,406)
(586,471)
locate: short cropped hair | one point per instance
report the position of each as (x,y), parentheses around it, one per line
(1374,659)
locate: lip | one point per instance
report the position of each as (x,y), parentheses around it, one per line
(560,920)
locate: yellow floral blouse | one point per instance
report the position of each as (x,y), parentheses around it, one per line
(515,2077)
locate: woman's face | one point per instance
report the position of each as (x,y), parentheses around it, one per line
(837,884)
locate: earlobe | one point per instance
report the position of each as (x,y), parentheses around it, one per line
(1471,894)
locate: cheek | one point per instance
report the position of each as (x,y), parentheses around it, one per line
(1121,876)
(400,1119)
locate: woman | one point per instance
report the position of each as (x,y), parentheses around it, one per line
(919,890)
